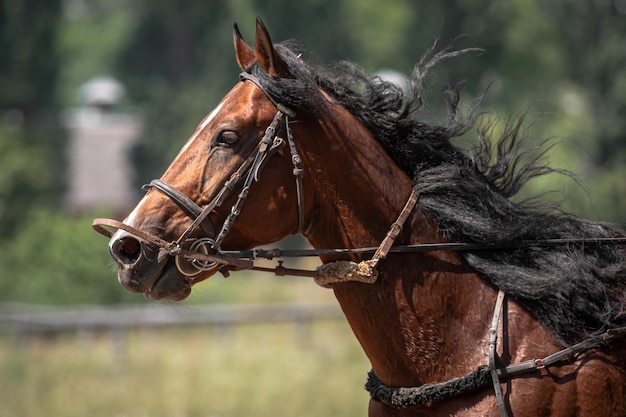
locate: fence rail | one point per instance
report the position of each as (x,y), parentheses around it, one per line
(33,320)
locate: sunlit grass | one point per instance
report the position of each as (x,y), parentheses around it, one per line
(252,370)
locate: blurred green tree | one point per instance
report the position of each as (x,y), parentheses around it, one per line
(28,60)
(176,65)
(32,146)
(56,259)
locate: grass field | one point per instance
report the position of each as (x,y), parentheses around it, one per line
(248,370)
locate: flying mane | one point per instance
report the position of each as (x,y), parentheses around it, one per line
(574,290)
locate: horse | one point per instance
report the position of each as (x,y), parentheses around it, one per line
(473,304)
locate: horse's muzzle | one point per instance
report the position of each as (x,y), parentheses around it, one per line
(140,266)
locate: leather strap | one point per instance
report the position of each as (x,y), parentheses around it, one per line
(298,172)
(281,107)
(400,397)
(493,342)
(169,247)
(185,203)
(396,228)
(139,234)
(265,149)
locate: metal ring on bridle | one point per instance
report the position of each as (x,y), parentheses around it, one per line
(192,267)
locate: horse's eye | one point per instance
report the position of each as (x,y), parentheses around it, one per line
(227,138)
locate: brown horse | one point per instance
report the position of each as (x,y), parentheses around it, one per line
(359,150)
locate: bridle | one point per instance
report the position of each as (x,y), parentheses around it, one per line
(196,255)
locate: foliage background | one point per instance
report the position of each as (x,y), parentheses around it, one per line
(563,62)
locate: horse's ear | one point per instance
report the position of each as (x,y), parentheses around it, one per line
(266,55)
(245,54)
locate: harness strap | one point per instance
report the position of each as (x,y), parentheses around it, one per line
(365,271)
(401,397)
(398,397)
(396,228)
(493,342)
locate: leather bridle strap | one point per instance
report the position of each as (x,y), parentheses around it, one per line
(281,107)
(298,171)
(252,165)
(267,146)
(227,189)
(249,171)
(170,248)
(140,234)
(185,203)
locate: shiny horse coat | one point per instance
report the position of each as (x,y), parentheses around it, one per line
(426,318)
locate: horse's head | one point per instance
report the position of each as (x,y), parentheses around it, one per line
(210,178)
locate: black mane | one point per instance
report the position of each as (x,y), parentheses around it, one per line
(574,290)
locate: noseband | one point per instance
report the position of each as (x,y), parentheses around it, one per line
(194,256)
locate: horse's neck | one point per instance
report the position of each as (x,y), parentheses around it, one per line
(358,189)
(423,306)
(426,319)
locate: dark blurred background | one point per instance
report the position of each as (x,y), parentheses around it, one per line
(97,96)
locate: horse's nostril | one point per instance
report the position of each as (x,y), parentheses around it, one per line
(127,249)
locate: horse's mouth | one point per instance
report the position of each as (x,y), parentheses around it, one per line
(165,283)
(169,288)
(145,269)
(151,270)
